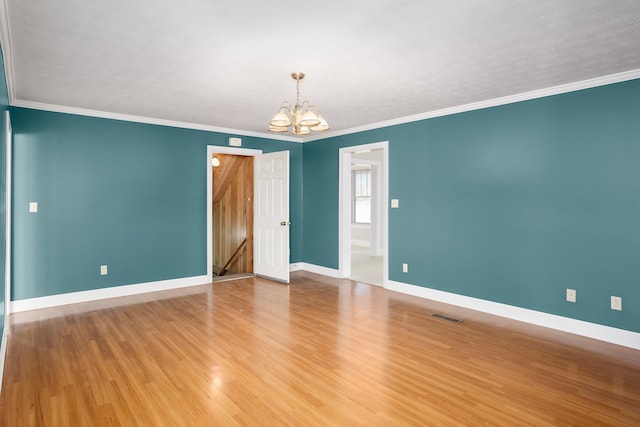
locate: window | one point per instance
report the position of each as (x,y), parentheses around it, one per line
(361,196)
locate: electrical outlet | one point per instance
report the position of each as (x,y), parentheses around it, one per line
(571,295)
(405,267)
(103,270)
(616,303)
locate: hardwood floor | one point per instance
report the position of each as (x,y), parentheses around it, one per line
(318,352)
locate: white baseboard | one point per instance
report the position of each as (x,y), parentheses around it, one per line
(104,293)
(3,353)
(565,324)
(295,266)
(560,323)
(318,269)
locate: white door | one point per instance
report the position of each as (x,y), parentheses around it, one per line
(271,239)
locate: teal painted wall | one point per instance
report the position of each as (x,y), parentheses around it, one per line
(129,195)
(511,204)
(4,107)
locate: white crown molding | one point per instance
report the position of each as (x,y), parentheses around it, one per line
(147,120)
(565,324)
(510,99)
(525,96)
(7,50)
(104,293)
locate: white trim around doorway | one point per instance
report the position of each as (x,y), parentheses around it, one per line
(211,150)
(344,208)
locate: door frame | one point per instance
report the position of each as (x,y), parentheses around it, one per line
(8,207)
(211,150)
(344,208)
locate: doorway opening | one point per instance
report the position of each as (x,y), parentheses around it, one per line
(363,213)
(232,216)
(238,157)
(266,240)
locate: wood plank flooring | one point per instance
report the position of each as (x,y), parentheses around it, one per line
(320,352)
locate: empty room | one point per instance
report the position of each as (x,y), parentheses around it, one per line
(244,213)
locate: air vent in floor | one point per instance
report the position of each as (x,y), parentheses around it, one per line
(448,319)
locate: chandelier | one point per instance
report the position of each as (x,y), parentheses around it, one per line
(303,117)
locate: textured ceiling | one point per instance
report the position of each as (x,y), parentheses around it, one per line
(227,63)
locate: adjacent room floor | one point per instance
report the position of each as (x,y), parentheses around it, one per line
(321,352)
(366,268)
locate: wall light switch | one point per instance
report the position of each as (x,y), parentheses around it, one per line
(616,303)
(33,207)
(405,267)
(395,203)
(103,270)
